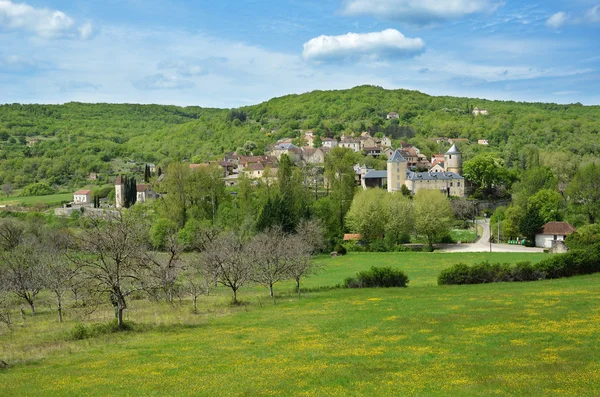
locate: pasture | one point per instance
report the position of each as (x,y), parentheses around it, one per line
(540,338)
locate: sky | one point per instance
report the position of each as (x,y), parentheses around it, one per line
(233,53)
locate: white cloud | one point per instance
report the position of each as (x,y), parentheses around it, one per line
(419,12)
(557,20)
(389,43)
(44,22)
(85,31)
(593,14)
(160,81)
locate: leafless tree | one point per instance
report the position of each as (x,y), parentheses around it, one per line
(271,258)
(7,188)
(164,268)
(463,210)
(308,241)
(12,232)
(199,279)
(22,274)
(6,306)
(227,258)
(111,255)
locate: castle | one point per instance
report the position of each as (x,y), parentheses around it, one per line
(446,178)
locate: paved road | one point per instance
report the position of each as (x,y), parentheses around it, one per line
(483,244)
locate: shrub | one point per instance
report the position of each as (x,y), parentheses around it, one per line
(378,246)
(454,275)
(447,240)
(80,332)
(340,249)
(37,189)
(378,277)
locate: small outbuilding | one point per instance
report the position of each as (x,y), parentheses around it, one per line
(553,231)
(82,197)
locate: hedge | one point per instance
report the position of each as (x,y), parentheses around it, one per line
(577,262)
(378,277)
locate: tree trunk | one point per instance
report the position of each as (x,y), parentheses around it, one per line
(235,301)
(120,317)
(298,285)
(32,305)
(271,290)
(59,303)
(195,306)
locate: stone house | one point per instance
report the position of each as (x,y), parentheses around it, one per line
(552,232)
(82,197)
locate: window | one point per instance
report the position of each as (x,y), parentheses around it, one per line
(458,184)
(397,169)
(398,185)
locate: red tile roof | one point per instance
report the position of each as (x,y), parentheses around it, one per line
(83,192)
(352,237)
(558,228)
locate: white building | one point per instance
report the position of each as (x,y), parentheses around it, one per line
(553,231)
(82,197)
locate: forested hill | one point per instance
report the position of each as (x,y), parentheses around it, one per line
(62,144)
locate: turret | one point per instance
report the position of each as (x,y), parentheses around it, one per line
(453,160)
(119,192)
(396,172)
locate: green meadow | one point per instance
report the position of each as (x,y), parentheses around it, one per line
(52,199)
(526,339)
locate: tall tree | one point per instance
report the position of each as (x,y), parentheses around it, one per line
(433,215)
(584,192)
(112,256)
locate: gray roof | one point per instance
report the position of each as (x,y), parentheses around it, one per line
(397,158)
(432,176)
(372,174)
(286,146)
(453,150)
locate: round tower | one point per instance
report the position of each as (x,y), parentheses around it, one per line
(119,192)
(396,172)
(453,160)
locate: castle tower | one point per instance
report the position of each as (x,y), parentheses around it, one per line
(453,160)
(396,172)
(119,192)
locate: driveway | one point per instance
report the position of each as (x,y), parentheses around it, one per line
(483,245)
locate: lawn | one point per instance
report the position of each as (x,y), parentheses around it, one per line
(540,338)
(52,199)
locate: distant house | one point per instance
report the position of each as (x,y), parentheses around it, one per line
(309,137)
(393,115)
(82,197)
(313,156)
(483,142)
(143,193)
(92,176)
(351,143)
(329,143)
(553,232)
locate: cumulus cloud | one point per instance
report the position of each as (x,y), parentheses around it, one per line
(41,21)
(386,44)
(161,81)
(593,14)
(557,20)
(419,12)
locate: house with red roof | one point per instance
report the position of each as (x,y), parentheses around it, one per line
(82,197)
(553,232)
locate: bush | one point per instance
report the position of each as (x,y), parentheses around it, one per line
(378,246)
(340,249)
(37,189)
(577,262)
(81,332)
(378,277)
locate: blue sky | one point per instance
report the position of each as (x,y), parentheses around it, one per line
(234,53)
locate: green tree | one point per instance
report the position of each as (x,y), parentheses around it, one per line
(584,192)
(433,215)
(549,204)
(487,171)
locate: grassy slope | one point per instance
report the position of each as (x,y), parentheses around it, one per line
(53,199)
(507,339)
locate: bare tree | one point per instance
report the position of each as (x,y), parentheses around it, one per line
(226,257)
(112,256)
(12,233)
(6,306)
(308,241)
(272,260)
(164,268)
(7,188)
(22,272)
(199,279)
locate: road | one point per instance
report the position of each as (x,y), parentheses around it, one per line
(483,244)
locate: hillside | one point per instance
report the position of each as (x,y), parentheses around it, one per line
(62,144)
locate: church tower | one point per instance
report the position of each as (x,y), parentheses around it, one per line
(119,192)
(453,160)
(396,172)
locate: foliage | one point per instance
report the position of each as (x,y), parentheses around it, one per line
(433,215)
(37,189)
(378,277)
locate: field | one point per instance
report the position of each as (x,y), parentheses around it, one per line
(52,199)
(540,338)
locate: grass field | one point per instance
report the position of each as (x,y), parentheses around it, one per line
(52,199)
(526,339)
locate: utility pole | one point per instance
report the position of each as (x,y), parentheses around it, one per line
(491,235)
(498,230)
